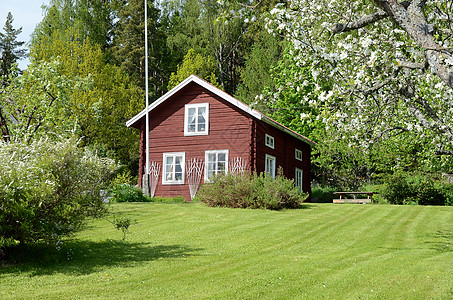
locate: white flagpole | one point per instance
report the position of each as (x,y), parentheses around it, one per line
(146,96)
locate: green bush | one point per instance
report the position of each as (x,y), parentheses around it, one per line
(322,194)
(251,191)
(48,188)
(128,193)
(404,188)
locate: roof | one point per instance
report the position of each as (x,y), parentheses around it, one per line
(244,107)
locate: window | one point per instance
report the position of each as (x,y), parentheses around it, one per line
(269,141)
(196,119)
(270,165)
(298,179)
(173,168)
(298,154)
(216,163)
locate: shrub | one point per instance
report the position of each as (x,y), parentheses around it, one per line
(128,193)
(322,194)
(251,191)
(404,188)
(48,188)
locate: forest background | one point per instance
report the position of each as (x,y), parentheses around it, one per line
(356,78)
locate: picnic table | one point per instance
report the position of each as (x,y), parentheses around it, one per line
(343,198)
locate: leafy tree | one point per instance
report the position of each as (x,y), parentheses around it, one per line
(10,48)
(94,19)
(102,111)
(255,75)
(37,103)
(200,25)
(388,61)
(194,63)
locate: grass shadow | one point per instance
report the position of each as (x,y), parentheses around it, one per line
(441,241)
(85,257)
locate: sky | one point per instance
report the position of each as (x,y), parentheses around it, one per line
(27,14)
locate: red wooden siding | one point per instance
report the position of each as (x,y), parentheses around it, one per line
(229,129)
(284,152)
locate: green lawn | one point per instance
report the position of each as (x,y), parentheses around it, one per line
(189,251)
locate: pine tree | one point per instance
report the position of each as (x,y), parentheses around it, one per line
(129,48)
(10,48)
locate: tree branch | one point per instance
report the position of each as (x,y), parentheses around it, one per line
(366,20)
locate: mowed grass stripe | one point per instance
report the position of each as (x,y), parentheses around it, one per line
(189,251)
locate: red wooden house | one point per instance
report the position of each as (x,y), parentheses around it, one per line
(197,120)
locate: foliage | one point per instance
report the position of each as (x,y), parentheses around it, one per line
(38,102)
(123,224)
(129,45)
(251,191)
(322,193)
(382,70)
(197,24)
(123,176)
(93,19)
(196,64)
(128,193)
(403,188)
(101,111)
(10,48)
(48,188)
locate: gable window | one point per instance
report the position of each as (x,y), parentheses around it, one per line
(196,119)
(269,141)
(298,154)
(298,178)
(216,163)
(173,168)
(270,165)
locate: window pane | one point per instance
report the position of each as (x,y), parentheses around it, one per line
(192,119)
(221,168)
(169,172)
(201,126)
(222,157)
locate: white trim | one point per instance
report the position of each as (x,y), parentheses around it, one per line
(296,154)
(274,164)
(164,168)
(206,85)
(269,141)
(223,95)
(206,156)
(301,178)
(186,119)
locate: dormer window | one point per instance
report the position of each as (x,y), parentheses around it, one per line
(269,141)
(196,119)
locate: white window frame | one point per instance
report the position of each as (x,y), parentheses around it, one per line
(299,178)
(186,119)
(164,173)
(269,141)
(206,159)
(273,160)
(298,154)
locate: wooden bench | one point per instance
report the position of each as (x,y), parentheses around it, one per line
(343,198)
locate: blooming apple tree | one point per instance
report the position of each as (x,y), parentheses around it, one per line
(389,66)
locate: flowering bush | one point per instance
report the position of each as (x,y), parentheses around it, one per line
(48,188)
(251,191)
